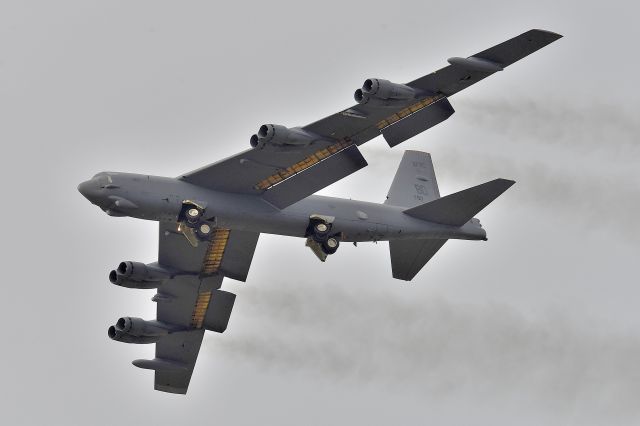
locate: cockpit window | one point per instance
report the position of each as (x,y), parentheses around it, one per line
(102,179)
(105,180)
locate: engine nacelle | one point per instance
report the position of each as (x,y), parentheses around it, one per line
(142,328)
(278,135)
(384,89)
(121,336)
(380,92)
(138,275)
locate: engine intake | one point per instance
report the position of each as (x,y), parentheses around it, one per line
(140,327)
(380,92)
(138,275)
(278,135)
(121,336)
(137,330)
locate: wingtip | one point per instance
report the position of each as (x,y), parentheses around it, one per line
(506,182)
(554,35)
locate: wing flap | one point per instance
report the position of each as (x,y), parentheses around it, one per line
(314,178)
(238,254)
(219,311)
(417,122)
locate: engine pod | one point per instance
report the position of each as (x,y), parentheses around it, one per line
(278,135)
(384,89)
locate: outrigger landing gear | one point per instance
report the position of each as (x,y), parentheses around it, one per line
(319,238)
(192,224)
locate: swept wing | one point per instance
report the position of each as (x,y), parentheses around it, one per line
(192,299)
(284,174)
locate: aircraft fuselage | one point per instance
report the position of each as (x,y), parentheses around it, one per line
(161,199)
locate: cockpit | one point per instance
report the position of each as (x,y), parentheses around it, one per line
(105,180)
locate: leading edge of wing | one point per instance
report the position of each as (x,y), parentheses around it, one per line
(464,72)
(190,300)
(256,171)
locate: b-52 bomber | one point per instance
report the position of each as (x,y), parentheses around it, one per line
(210,218)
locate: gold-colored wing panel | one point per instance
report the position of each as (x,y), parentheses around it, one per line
(408,111)
(210,265)
(215,251)
(202,303)
(300,166)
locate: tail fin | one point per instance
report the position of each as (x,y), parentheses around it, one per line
(415,181)
(457,209)
(409,256)
(415,187)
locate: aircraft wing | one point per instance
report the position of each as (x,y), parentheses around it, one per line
(191,300)
(286,173)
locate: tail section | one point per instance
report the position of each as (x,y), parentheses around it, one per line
(459,208)
(415,181)
(415,187)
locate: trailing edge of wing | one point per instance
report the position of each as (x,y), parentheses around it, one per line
(464,73)
(314,178)
(417,122)
(249,171)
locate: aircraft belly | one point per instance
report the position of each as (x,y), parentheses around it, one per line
(279,224)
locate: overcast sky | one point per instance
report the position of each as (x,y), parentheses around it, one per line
(539,325)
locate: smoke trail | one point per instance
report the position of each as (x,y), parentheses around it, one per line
(434,346)
(584,166)
(608,129)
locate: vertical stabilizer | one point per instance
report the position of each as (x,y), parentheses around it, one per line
(415,181)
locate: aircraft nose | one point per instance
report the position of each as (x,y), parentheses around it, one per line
(88,189)
(83,188)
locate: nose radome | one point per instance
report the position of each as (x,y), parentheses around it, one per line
(85,188)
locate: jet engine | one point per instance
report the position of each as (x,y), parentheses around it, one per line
(137,330)
(140,327)
(278,135)
(121,336)
(380,92)
(138,275)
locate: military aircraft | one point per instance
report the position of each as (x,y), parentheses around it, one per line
(210,218)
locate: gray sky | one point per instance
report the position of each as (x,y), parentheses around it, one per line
(537,326)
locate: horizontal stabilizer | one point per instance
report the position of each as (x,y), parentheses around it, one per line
(457,209)
(409,256)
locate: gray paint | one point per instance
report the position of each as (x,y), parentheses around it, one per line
(129,86)
(254,214)
(239,203)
